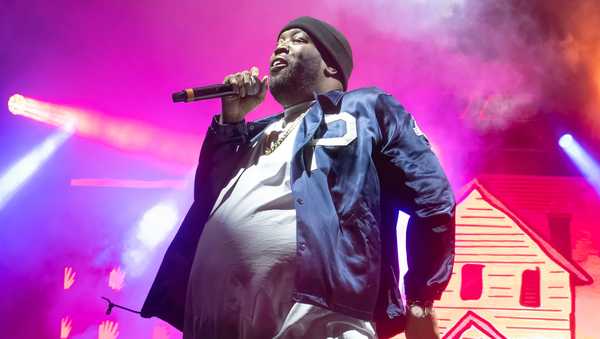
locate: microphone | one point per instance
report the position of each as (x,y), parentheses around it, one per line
(201,93)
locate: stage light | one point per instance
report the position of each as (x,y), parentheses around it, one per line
(128,183)
(19,173)
(582,159)
(566,140)
(125,134)
(156,224)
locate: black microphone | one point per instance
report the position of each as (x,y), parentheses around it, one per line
(201,93)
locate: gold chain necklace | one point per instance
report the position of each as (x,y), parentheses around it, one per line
(280,138)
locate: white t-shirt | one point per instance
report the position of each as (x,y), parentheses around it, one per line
(243,273)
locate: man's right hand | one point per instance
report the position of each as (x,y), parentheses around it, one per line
(250,93)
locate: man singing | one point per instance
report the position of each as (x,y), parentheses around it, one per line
(292,233)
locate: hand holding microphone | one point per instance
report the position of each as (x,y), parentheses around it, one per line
(249,91)
(240,93)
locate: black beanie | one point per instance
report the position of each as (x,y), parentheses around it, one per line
(332,44)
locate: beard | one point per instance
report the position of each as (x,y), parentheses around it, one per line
(296,82)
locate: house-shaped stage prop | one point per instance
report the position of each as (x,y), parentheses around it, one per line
(507,281)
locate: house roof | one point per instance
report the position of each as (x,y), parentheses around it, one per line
(472,319)
(580,275)
(534,198)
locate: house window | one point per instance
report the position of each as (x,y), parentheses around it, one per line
(471,281)
(530,288)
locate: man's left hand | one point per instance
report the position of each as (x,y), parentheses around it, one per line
(421,326)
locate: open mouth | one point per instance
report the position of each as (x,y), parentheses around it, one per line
(278,64)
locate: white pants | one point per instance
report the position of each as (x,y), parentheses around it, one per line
(308,321)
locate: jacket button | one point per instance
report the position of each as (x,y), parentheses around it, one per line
(251,127)
(300,201)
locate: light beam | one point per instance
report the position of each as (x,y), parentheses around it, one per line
(16,176)
(154,226)
(125,134)
(128,183)
(582,159)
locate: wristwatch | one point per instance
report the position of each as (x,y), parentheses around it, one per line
(419,308)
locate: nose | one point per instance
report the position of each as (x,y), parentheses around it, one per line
(281,48)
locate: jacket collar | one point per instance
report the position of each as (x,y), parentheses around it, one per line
(329,101)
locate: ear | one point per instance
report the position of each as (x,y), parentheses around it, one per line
(331,71)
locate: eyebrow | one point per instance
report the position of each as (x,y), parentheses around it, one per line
(293,32)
